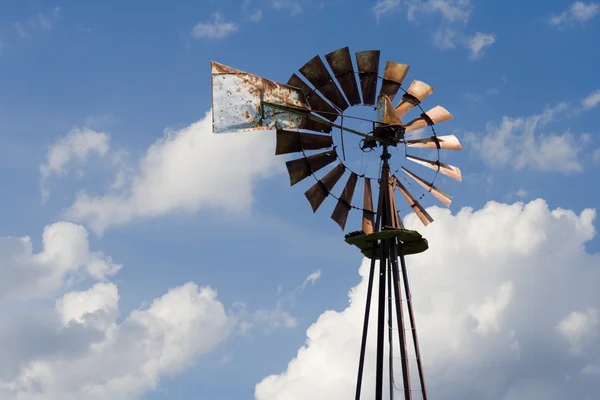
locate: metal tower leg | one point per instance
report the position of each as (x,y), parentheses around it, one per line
(381,322)
(413,326)
(400,321)
(363,343)
(390,330)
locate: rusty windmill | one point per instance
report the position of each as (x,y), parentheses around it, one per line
(304,112)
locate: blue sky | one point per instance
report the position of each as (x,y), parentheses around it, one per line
(105,142)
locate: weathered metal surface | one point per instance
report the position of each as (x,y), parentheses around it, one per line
(320,190)
(434,116)
(393,76)
(423,215)
(317,103)
(246,102)
(436,192)
(314,123)
(343,206)
(368,220)
(317,74)
(396,221)
(293,142)
(305,166)
(368,68)
(340,63)
(385,111)
(447,142)
(416,93)
(446,169)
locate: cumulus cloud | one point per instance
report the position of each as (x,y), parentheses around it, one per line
(591,100)
(82,351)
(216,28)
(449,38)
(489,295)
(184,171)
(65,257)
(77,145)
(521,142)
(479,42)
(578,12)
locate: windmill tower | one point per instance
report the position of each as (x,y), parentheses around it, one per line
(304,112)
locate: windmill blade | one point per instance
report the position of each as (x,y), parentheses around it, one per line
(316,124)
(385,111)
(317,103)
(301,168)
(448,142)
(436,192)
(246,102)
(340,63)
(368,214)
(342,208)
(294,142)
(393,76)
(320,190)
(317,74)
(434,116)
(423,215)
(368,68)
(416,93)
(446,169)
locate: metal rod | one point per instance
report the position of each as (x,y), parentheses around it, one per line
(363,343)
(413,326)
(400,321)
(390,330)
(381,323)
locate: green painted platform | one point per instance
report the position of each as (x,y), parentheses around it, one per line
(412,241)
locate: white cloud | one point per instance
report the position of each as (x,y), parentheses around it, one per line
(93,356)
(479,42)
(43,21)
(184,171)
(77,144)
(488,295)
(256,16)
(295,6)
(596,157)
(522,193)
(448,38)
(577,12)
(579,328)
(449,10)
(591,100)
(65,256)
(383,7)
(519,143)
(312,278)
(216,28)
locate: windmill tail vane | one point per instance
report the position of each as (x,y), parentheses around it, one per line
(304,112)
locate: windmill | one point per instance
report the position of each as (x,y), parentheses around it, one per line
(304,112)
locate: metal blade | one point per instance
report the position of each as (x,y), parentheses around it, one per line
(448,142)
(340,63)
(245,102)
(436,192)
(368,214)
(317,103)
(434,116)
(342,208)
(446,169)
(393,76)
(368,68)
(317,74)
(416,93)
(293,142)
(314,123)
(385,111)
(414,204)
(305,166)
(320,190)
